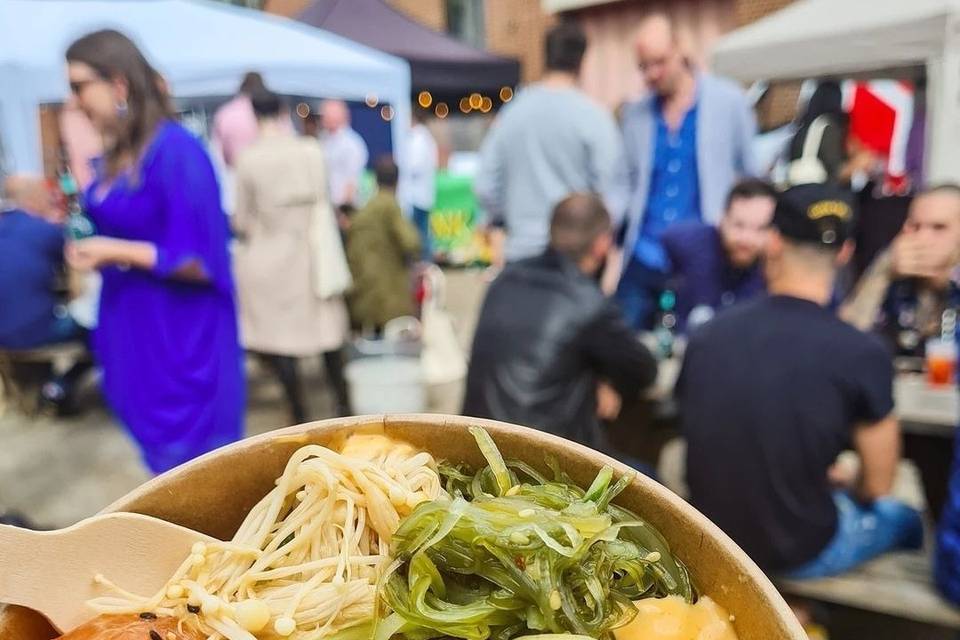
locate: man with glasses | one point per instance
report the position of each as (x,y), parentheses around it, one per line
(686,142)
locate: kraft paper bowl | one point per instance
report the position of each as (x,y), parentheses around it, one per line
(213,494)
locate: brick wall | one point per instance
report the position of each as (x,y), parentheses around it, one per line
(516,28)
(610,72)
(779,107)
(751,10)
(432,13)
(429,12)
(288,8)
(513,28)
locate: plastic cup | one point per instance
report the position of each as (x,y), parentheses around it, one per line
(941,361)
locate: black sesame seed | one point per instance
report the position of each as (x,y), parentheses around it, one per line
(192,608)
(154,635)
(146,615)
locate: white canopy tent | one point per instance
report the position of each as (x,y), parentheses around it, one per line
(822,38)
(202,48)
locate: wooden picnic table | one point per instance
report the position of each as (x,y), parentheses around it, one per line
(926,410)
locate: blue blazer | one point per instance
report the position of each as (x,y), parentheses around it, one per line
(726,126)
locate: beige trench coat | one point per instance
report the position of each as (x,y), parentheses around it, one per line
(278,181)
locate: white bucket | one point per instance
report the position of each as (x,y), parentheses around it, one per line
(386,384)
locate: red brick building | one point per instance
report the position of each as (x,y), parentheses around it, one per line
(610,74)
(510,27)
(515,28)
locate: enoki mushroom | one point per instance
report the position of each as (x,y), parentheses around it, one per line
(305,562)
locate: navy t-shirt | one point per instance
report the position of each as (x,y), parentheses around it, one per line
(31,253)
(770,392)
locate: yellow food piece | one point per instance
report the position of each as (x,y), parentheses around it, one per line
(672,618)
(253,615)
(284,626)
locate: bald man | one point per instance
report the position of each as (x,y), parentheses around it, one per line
(346,154)
(32,195)
(687,142)
(908,288)
(547,335)
(31,257)
(32,311)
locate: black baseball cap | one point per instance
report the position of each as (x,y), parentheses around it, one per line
(815,213)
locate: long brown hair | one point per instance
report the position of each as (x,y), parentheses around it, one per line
(113,55)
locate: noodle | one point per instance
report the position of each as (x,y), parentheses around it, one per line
(307,558)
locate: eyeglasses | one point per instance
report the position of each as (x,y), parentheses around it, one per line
(656,63)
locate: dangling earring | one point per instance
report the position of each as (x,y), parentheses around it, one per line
(122,109)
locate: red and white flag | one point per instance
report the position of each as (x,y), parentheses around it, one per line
(881,115)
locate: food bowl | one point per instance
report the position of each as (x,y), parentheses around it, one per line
(213,494)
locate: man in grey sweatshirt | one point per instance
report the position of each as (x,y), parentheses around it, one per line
(549,142)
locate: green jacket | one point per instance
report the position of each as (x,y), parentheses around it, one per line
(380,244)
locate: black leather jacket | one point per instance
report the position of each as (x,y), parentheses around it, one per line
(546,335)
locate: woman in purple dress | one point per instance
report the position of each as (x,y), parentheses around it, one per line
(167,335)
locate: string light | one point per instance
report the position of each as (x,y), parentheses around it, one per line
(486,104)
(372,100)
(465,105)
(475,100)
(442,110)
(386,112)
(506,94)
(425,99)
(303,110)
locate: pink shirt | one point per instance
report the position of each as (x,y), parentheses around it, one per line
(235,127)
(81,142)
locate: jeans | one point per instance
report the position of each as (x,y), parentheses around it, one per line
(863,533)
(638,294)
(421,219)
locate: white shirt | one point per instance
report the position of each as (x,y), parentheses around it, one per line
(421,168)
(346,155)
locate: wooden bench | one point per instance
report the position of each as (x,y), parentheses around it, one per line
(17,393)
(926,410)
(897,584)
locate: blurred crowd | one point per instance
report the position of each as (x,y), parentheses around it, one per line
(619,246)
(663,228)
(184,290)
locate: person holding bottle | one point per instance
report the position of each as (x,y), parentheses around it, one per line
(31,261)
(167,333)
(36,313)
